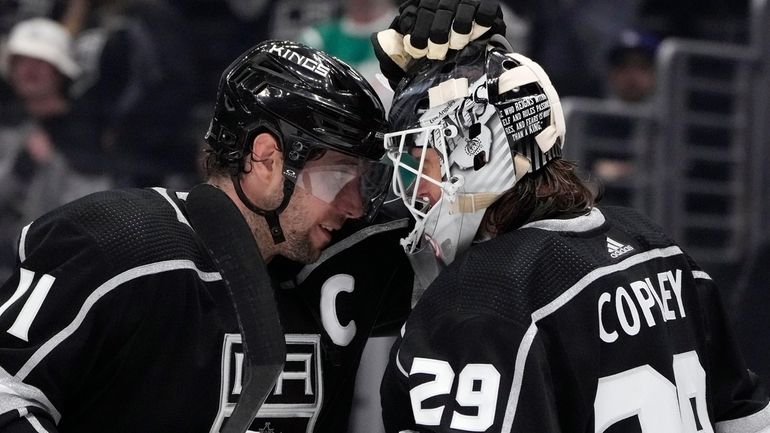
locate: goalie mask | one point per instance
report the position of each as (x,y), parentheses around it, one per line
(466,129)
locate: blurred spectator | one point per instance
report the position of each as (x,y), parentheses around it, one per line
(347,38)
(38,61)
(631,84)
(290,17)
(631,67)
(139,82)
(54,156)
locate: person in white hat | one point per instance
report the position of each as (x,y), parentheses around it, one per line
(37,60)
(58,156)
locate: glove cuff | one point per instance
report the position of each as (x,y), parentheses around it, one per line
(388,48)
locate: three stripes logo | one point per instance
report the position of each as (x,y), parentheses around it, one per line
(616,249)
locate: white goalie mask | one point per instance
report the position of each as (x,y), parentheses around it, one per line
(466,129)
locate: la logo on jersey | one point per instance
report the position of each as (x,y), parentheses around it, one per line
(616,249)
(295,401)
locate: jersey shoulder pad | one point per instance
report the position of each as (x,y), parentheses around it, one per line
(638,226)
(121,229)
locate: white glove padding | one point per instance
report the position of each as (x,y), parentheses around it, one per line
(452,22)
(431,28)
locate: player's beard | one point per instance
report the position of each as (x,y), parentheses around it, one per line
(299,247)
(297,224)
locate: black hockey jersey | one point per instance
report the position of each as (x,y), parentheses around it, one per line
(591,324)
(328,310)
(117,320)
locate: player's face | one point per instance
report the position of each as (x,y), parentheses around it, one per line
(419,156)
(429,191)
(326,195)
(634,80)
(33,78)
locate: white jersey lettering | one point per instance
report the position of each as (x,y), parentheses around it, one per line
(634,306)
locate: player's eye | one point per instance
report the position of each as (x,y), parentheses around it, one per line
(407,176)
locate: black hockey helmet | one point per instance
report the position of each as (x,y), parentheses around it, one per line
(310,101)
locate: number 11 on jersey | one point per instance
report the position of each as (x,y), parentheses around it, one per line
(20,327)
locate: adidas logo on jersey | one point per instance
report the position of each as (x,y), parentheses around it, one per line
(616,249)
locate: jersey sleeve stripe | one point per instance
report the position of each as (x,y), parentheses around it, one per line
(35,423)
(601,272)
(529,336)
(518,376)
(758,422)
(23,243)
(107,287)
(179,215)
(700,275)
(398,364)
(16,395)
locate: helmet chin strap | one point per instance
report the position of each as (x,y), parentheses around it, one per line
(271,216)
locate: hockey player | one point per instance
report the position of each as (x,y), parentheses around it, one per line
(549,313)
(125,312)
(149,310)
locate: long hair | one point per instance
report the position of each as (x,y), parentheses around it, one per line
(554,191)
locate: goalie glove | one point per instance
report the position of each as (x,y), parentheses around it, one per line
(431,28)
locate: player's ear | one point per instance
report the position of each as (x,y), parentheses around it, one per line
(266,160)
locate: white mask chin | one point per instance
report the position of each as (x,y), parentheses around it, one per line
(426,268)
(441,236)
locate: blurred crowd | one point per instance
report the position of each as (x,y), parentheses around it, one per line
(117,93)
(98,94)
